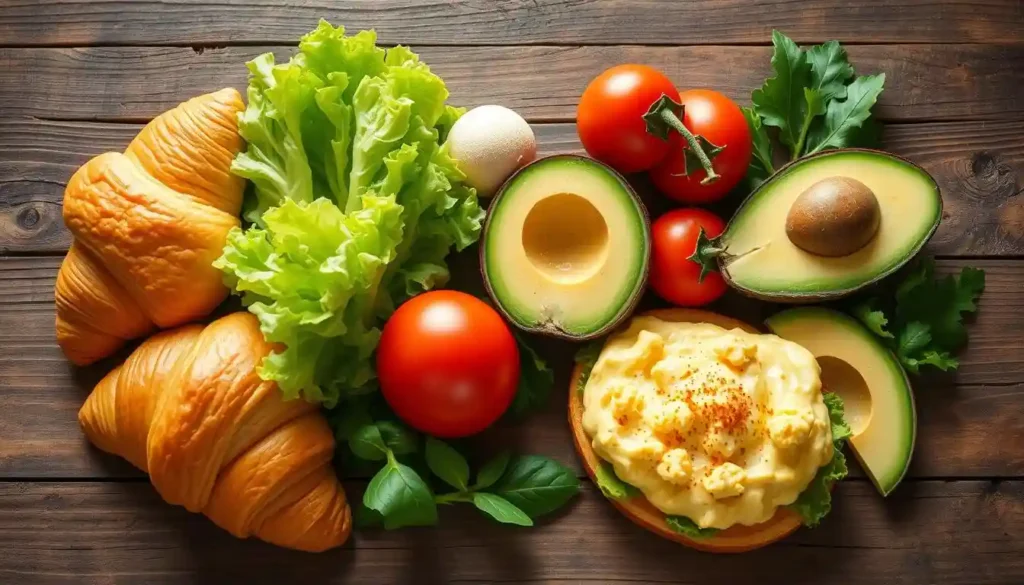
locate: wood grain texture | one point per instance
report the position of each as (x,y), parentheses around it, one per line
(959,415)
(924,82)
(503,22)
(87,533)
(979,167)
(953,103)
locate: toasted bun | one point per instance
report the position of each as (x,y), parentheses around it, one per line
(736,539)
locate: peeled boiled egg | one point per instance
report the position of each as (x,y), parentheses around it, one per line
(490,143)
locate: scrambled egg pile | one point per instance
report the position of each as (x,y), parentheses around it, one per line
(722,427)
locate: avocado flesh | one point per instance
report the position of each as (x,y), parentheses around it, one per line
(874,388)
(762,261)
(566,248)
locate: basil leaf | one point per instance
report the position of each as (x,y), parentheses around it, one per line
(367,443)
(500,509)
(830,70)
(363,517)
(843,118)
(687,527)
(780,101)
(373,441)
(610,485)
(447,463)
(401,497)
(492,471)
(535,381)
(537,485)
(399,438)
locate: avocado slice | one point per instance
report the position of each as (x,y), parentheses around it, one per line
(566,248)
(756,255)
(864,373)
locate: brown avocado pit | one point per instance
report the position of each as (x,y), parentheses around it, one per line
(757,257)
(834,217)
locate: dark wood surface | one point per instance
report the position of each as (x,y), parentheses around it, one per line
(78,78)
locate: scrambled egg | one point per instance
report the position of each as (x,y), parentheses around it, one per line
(722,427)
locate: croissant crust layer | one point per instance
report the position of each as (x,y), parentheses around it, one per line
(147,226)
(188,408)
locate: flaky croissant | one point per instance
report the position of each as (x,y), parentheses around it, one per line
(147,225)
(188,408)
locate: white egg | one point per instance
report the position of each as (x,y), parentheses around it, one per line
(490,143)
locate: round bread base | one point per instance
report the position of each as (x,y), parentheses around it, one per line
(735,539)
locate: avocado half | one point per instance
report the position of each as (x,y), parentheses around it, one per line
(637,508)
(874,388)
(756,256)
(566,248)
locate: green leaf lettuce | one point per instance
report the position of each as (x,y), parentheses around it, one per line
(815,502)
(689,528)
(355,205)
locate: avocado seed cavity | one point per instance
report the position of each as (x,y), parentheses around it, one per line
(843,379)
(565,238)
(834,217)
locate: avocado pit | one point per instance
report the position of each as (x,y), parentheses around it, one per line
(834,217)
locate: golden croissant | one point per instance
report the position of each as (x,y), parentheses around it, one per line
(189,408)
(147,225)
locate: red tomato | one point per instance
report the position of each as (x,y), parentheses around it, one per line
(610,122)
(709,114)
(447,364)
(673,275)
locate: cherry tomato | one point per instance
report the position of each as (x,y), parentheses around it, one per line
(719,120)
(447,364)
(610,117)
(673,275)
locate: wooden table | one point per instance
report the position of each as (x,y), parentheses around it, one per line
(79,78)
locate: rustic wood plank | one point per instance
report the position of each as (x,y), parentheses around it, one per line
(489,22)
(924,82)
(959,416)
(979,167)
(962,532)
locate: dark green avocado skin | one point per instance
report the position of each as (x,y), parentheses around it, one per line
(831,294)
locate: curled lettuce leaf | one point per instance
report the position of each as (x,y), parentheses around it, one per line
(815,502)
(355,203)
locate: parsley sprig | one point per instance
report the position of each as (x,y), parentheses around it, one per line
(922,320)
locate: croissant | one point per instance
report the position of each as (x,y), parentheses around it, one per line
(147,225)
(188,408)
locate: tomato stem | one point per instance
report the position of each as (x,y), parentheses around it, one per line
(706,253)
(665,114)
